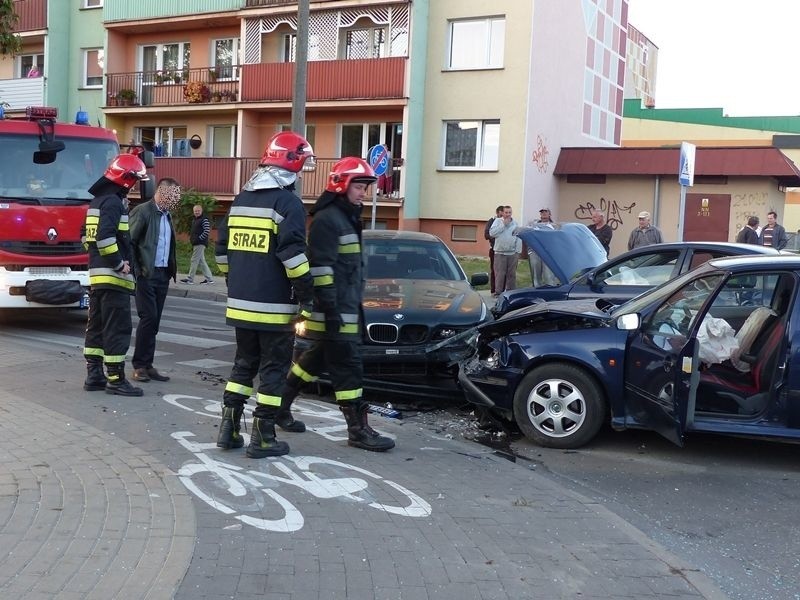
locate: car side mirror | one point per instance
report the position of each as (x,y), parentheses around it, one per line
(628,322)
(479,279)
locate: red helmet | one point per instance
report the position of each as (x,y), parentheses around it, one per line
(289,151)
(349,170)
(125,170)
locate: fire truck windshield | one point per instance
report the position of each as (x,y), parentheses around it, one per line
(69,177)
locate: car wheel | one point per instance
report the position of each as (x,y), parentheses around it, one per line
(559,406)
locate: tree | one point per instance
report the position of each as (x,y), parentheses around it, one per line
(10,42)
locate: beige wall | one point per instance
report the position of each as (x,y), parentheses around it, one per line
(623,199)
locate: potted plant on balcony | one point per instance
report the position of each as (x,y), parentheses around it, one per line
(216,96)
(195,92)
(228,95)
(163,77)
(126,97)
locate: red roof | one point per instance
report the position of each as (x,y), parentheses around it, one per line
(764,161)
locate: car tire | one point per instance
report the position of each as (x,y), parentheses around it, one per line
(559,406)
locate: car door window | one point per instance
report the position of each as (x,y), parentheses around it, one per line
(675,318)
(643,269)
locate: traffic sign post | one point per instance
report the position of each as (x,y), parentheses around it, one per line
(379,159)
(686,179)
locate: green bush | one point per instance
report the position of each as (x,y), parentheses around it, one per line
(183,216)
(476,264)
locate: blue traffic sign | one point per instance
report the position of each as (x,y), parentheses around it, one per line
(379,158)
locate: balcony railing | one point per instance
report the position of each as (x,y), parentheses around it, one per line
(374,78)
(226,176)
(186,86)
(32,15)
(20,93)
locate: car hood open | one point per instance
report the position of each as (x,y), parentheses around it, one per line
(567,250)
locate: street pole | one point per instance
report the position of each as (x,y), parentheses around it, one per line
(300,76)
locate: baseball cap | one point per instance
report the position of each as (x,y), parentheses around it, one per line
(644,215)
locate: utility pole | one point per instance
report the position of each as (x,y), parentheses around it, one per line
(300,76)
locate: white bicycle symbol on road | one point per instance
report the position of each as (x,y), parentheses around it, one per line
(240,492)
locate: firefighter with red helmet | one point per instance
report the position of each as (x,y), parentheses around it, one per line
(108,330)
(261,250)
(334,328)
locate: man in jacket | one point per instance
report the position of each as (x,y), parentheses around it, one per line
(153,239)
(498,212)
(334,328)
(198,237)
(507,247)
(645,234)
(748,234)
(773,234)
(601,229)
(261,250)
(105,234)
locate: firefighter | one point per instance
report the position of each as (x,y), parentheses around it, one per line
(334,248)
(108,331)
(261,250)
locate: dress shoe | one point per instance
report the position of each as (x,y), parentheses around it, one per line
(155,375)
(140,375)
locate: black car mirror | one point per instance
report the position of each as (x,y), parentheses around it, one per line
(479,279)
(628,322)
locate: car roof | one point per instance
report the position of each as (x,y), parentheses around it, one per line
(394,234)
(782,261)
(730,247)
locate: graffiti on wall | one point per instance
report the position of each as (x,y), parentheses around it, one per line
(749,204)
(614,211)
(540,154)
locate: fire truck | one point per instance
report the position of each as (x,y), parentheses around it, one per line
(46,169)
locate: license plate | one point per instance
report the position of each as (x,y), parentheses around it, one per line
(85,301)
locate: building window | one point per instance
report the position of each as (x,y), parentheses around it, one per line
(289,47)
(464,233)
(92,3)
(30,65)
(357,139)
(223,140)
(225,58)
(369,42)
(164,141)
(471,145)
(476,44)
(93,68)
(169,63)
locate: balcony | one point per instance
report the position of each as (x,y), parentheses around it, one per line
(369,79)
(165,88)
(32,15)
(225,176)
(21,93)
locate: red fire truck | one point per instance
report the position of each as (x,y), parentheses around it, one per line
(46,168)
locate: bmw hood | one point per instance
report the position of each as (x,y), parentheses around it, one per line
(422,301)
(567,250)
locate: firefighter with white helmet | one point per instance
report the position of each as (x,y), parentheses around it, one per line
(334,328)
(261,250)
(108,330)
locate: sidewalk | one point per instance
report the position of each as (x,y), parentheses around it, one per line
(216,291)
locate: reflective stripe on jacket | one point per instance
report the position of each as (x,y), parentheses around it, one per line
(108,243)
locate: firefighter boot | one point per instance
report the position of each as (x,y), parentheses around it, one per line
(117,384)
(229,436)
(284,418)
(262,439)
(359,433)
(95,378)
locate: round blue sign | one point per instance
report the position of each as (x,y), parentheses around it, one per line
(379,158)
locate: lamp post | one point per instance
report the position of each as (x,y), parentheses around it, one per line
(300,76)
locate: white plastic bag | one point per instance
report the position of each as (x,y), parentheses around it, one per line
(717,340)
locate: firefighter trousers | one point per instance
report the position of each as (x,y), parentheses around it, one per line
(108,330)
(342,361)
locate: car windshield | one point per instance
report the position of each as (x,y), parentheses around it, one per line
(71,175)
(641,301)
(410,259)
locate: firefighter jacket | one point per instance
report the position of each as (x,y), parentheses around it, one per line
(108,243)
(145,229)
(334,252)
(261,250)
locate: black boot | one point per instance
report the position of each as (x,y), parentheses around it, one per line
(359,433)
(229,436)
(95,378)
(262,440)
(117,384)
(284,418)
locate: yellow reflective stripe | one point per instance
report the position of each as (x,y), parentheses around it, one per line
(349,394)
(92,220)
(238,388)
(223,268)
(323,280)
(106,250)
(252,223)
(103,279)
(298,371)
(268,400)
(93,352)
(350,249)
(305,314)
(297,271)
(347,328)
(123,226)
(256,317)
(113,359)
